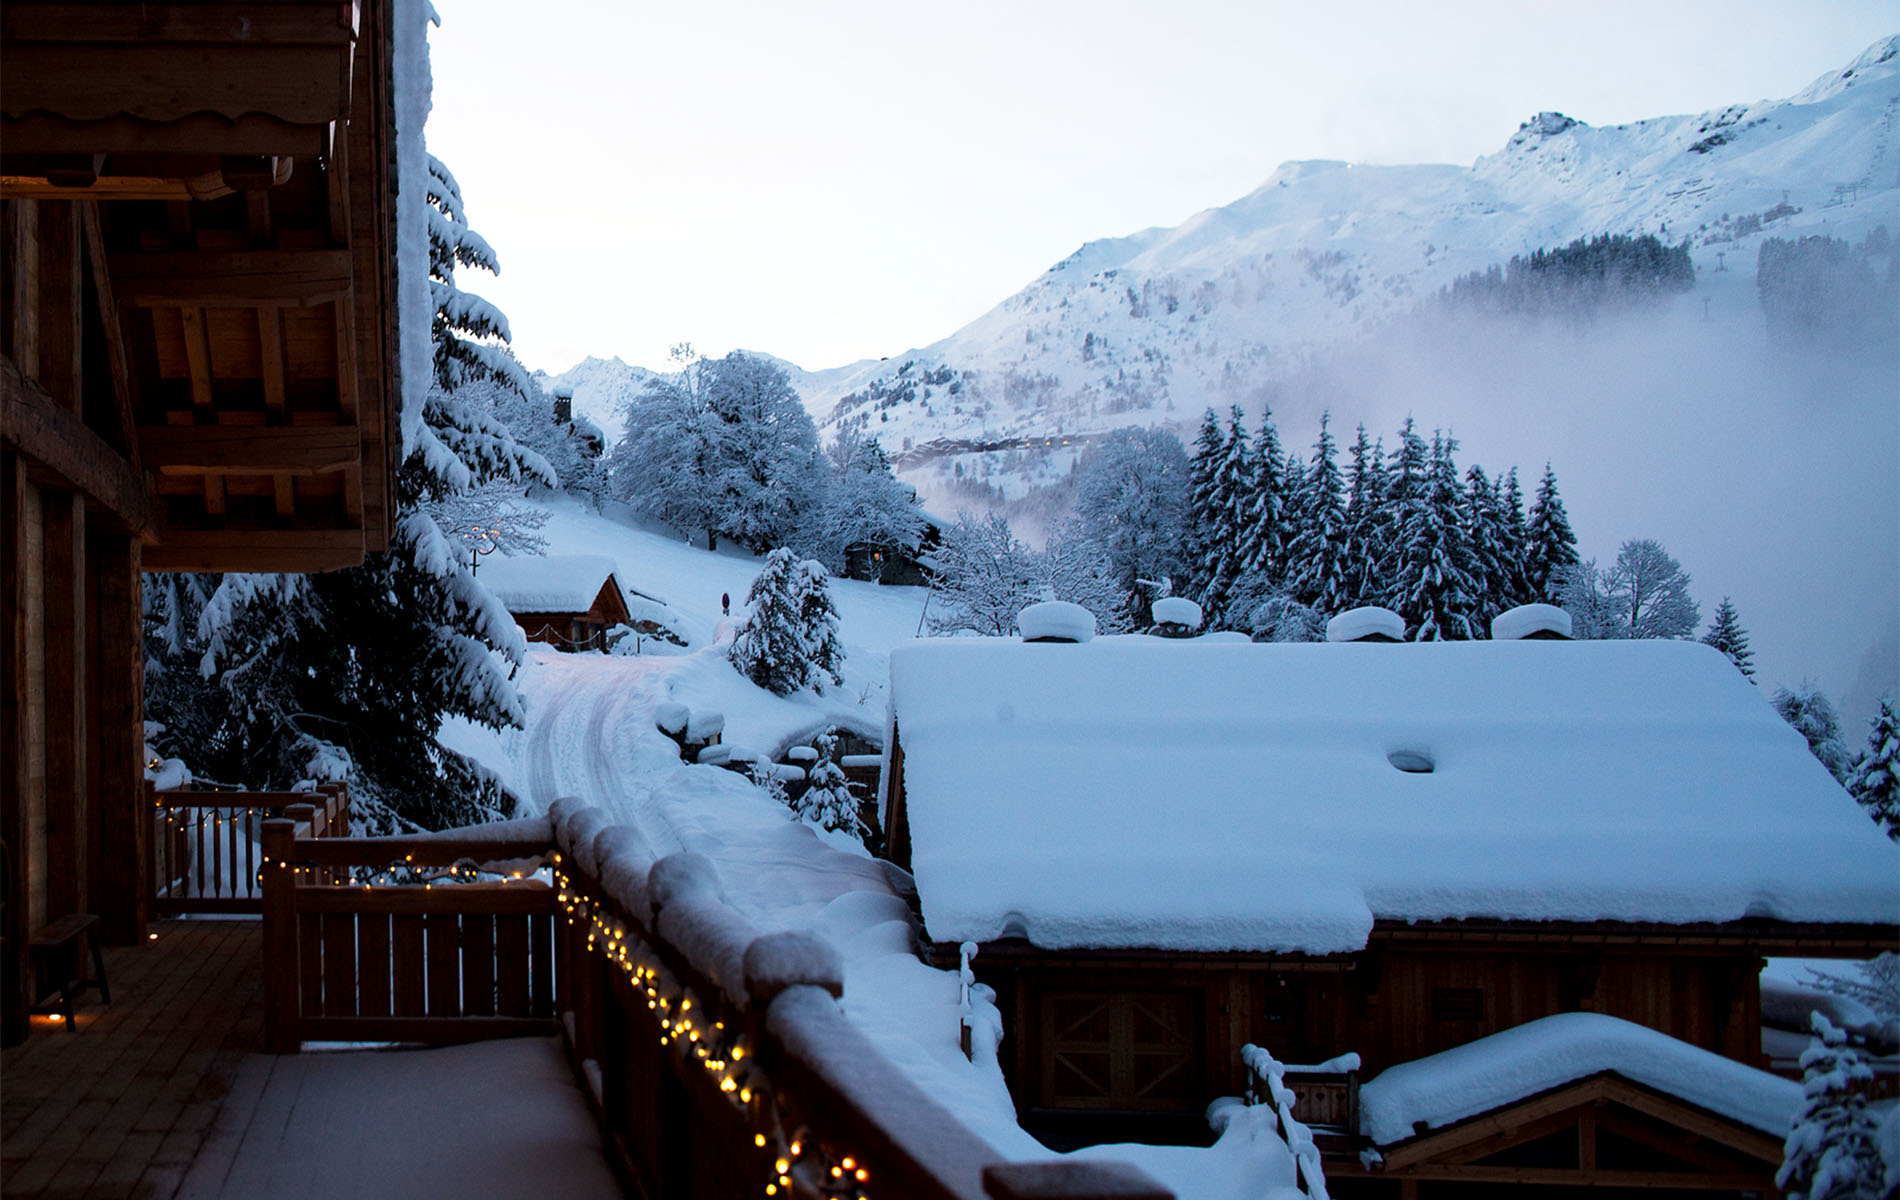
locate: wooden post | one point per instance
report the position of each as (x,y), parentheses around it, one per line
(280,939)
(121,803)
(65,518)
(14,782)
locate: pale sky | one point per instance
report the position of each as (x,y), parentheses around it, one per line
(833,181)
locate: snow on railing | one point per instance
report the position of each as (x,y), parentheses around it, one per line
(1266,1084)
(695,1029)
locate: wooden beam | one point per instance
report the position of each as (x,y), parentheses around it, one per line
(71,454)
(65,634)
(233,24)
(198,134)
(198,360)
(249,449)
(1499,1123)
(293,550)
(81,81)
(1682,1115)
(22,258)
(118,363)
(62,315)
(231,279)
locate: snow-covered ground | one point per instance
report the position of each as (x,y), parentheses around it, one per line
(591,735)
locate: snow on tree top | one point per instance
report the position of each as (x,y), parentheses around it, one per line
(1539,1055)
(555,583)
(1133,792)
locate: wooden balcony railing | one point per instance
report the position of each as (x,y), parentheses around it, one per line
(207,845)
(1329,1091)
(717,1060)
(385,940)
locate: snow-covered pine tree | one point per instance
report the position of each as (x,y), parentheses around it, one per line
(1429,569)
(1365,489)
(470,334)
(1551,546)
(1875,780)
(1317,558)
(827,802)
(1484,525)
(769,647)
(1515,539)
(1808,709)
(1727,635)
(1227,521)
(1202,525)
(818,623)
(1268,510)
(1833,1151)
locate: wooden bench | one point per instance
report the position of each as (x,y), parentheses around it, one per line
(56,963)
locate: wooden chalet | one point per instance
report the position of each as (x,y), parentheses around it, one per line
(199,373)
(567,601)
(1165,851)
(878,562)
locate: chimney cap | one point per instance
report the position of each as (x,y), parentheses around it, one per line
(1181,615)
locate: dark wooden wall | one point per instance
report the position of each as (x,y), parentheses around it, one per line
(1390,1004)
(71,662)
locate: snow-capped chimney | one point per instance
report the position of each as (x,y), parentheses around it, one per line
(1545,622)
(1056,621)
(1369,623)
(564,406)
(1175,617)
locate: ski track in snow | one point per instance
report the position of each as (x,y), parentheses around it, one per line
(577,742)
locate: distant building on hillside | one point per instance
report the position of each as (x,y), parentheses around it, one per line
(1504,872)
(592,441)
(877,562)
(567,601)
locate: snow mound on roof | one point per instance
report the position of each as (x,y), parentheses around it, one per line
(555,583)
(1134,792)
(1365,621)
(1177,610)
(1526,619)
(1056,619)
(1548,1053)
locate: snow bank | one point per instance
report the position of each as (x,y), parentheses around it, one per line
(1220,797)
(1547,1053)
(552,583)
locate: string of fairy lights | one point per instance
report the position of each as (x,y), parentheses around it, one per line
(689,1028)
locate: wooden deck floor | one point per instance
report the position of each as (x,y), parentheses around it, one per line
(122,1106)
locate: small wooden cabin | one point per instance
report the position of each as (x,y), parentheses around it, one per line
(896,564)
(199,371)
(1166,850)
(568,601)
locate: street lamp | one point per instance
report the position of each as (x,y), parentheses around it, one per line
(480,541)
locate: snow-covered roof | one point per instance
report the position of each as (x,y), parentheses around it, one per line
(556,583)
(1138,792)
(1537,1056)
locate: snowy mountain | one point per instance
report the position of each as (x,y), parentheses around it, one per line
(1308,293)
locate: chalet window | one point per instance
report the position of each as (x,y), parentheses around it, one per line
(1458,1004)
(1128,1051)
